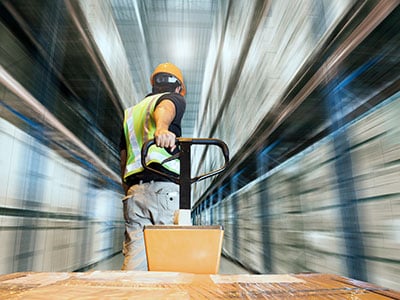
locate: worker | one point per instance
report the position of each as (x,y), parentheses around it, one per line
(150,198)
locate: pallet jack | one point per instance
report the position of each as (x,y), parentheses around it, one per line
(183,247)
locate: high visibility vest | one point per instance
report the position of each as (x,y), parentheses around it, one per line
(139,127)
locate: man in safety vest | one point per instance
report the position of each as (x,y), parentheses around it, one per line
(150,198)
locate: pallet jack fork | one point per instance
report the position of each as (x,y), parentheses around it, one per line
(182,247)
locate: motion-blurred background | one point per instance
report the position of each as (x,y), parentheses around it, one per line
(304,92)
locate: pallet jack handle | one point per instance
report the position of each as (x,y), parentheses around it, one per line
(184,179)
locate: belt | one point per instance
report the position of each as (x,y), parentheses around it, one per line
(133,180)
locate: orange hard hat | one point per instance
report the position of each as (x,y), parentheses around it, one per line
(169,68)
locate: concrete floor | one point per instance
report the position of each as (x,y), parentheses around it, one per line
(115,263)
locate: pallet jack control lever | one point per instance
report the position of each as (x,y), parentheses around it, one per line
(184,178)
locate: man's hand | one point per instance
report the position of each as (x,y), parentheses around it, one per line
(165,138)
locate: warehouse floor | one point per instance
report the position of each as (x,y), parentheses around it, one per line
(115,263)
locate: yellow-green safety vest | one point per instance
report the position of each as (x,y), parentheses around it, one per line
(139,127)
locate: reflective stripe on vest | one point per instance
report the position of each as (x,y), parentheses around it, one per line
(139,127)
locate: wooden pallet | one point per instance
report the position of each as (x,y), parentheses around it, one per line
(173,285)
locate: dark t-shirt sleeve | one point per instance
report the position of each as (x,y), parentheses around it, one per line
(122,141)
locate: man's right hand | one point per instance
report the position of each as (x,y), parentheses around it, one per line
(165,139)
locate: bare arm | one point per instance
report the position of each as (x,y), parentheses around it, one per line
(164,114)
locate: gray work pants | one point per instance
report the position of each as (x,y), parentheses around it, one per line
(146,204)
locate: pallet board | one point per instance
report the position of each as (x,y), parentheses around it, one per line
(173,285)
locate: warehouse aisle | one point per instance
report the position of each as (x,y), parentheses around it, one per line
(115,263)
